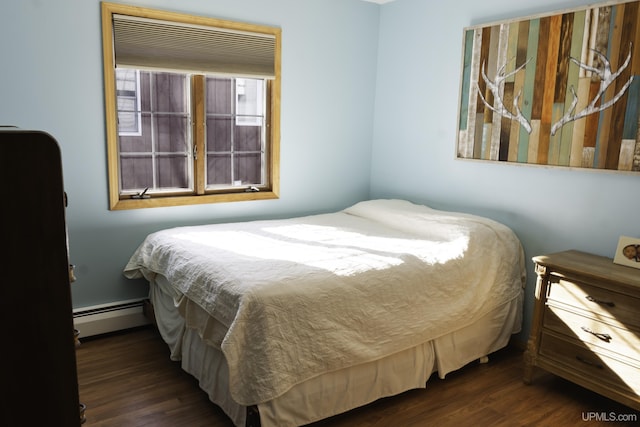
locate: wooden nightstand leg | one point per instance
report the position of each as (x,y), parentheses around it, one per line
(529,364)
(530,354)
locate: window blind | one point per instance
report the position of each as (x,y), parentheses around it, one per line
(157,44)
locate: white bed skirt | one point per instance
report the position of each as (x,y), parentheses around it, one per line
(334,392)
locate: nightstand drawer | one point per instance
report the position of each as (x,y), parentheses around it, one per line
(604,335)
(582,360)
(613,305)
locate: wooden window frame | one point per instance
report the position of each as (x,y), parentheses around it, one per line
(270,190)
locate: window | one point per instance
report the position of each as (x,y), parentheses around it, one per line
(192,108)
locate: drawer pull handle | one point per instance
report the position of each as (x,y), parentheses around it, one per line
(597,301)
(590,363)
(599,335)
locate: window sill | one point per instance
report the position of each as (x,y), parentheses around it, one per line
(158,202)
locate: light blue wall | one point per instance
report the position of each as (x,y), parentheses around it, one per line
(369,108)
(419,64)
(51,79)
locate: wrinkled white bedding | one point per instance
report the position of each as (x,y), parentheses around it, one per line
(300,297)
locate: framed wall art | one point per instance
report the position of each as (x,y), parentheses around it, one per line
(557,90)
(628,252)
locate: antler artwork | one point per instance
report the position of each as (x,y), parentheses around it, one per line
(606,79)
(494,87)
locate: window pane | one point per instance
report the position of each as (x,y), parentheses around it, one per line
(248,168)
(145,90)
(128,101)
(173,89)
(137,172)
(172,172)
(248,138)
(158,157)
(128,116)
(140,143)
(235,131)
(220,98)
(172,133)
(219,169)
(249,102)
(219,133)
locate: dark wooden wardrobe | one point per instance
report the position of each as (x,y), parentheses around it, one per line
(38,365)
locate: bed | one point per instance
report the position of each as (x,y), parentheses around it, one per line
(286,322)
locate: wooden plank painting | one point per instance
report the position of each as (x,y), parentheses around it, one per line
(556,90)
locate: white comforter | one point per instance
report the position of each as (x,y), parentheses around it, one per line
(292,299)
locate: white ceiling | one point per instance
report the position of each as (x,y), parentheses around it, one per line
(379,1)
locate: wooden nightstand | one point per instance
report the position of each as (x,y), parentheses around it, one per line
(586,324)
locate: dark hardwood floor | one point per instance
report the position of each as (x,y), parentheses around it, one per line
(126,379)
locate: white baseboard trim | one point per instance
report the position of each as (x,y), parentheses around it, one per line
(105,318)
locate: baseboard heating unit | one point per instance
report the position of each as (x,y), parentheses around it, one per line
(105,318)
